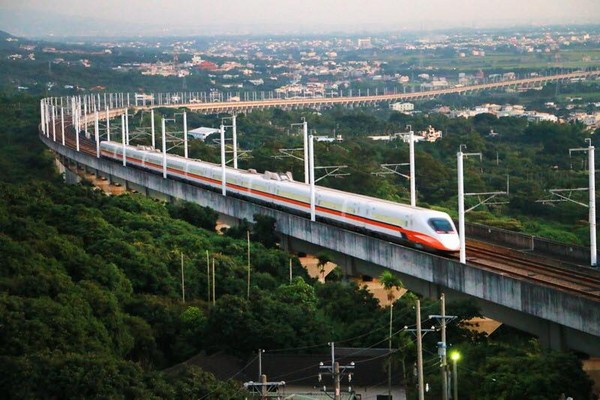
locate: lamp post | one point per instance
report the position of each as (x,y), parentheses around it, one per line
(455,356)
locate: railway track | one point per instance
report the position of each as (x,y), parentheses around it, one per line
(87,146)
(509,262)
(546,271)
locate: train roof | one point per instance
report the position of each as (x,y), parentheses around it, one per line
(243,171)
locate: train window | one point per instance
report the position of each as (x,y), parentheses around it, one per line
(441,225)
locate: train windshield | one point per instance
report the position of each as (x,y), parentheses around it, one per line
(441,225)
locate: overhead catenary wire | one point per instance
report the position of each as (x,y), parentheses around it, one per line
(347,356)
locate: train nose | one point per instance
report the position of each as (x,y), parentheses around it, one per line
(450,242)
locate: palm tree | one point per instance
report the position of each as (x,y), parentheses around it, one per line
(390,282)
(323,258)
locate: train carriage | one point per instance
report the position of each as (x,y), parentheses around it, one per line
(423,228)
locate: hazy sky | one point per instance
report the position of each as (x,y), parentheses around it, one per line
(145,16)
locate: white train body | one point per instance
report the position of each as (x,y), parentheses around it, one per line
(423,227)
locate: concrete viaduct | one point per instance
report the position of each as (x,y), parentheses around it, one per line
(560,319)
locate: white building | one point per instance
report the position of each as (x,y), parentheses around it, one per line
(337,138)
(402,107)
(202,133)
(541,117)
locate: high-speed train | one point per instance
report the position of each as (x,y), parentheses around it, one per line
(423,228)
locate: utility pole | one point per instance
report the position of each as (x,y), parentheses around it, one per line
(443,366)
(208,276)
(53,109)
(442,346)
(420,353)
(235,149)
(461,200)
(213,282)
(420,333)
(336,374)
(185,135)
(312,178)
(107,120)
(96,134)
(592,198)
(305,137)
(223,172)
(413,195)
(248,236)
(164,149)
(592,205)
(263,388)
(461,205)
(62,125)
(152,128)
(127,127)
(182,280)
(260,351)
(85,120)
(43,115)
(336,371)
(305,149)
(122,140)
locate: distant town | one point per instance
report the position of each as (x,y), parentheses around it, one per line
(324,67)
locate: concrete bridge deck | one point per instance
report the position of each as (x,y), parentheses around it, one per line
(560,319)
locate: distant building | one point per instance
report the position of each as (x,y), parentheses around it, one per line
(541,117)
(202,133)
(143,99)
(383,138)
(364,43)
(207,66)
(403,107)
(337,138)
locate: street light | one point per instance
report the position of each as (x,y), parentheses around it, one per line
(455,356)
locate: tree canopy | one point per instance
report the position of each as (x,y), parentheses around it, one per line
(91,302)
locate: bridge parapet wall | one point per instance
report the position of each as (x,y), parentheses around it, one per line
(578,313)
(522,241)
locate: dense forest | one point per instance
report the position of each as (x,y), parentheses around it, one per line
(91,300)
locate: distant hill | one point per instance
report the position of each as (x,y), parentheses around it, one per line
(5,35)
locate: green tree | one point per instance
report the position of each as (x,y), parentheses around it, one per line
(263,231)
(390,283)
